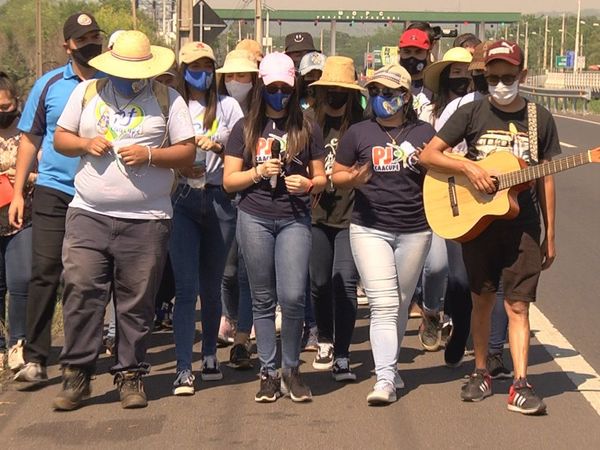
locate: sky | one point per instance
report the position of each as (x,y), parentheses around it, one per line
(529,6)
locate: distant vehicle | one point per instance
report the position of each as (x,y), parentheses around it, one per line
(594,67)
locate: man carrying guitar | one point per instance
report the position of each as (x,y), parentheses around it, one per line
(507,250)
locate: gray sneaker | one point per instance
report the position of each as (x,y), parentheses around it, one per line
(15,356)
(184,383)
(430,333)
(32,373)
(383,393)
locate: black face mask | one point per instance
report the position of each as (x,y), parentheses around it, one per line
(460,86)
(83,55)
(413,65)
(480,83)
(7,118)
(337,99)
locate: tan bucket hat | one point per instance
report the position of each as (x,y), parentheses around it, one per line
(432,73)
(239,61)
(338,71)
(133,57)
(393,76)
(193,51)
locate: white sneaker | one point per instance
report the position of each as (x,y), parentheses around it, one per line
(383,393)
(15,356)
(32,373)
(210,369)
(398,381)
(324,357)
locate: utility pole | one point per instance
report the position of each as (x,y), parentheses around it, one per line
(185,27)
(258,33)
(526,44)
(518,32)
(239,30)
(164,18)
(562,36)
(575,62)
(551,53)
(546,44)
(201,35)
(134,14)
(38,38)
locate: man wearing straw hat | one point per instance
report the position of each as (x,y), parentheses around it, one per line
(118,224)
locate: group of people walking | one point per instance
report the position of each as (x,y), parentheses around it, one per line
(267,187)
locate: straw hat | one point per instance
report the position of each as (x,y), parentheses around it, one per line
(133,57)
(393,76)
(239,61)
(252,46)
(338,71)
(432,73)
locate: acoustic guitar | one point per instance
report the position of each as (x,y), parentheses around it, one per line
(456,210)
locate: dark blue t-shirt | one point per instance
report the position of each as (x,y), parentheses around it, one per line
(392,199)
(260,199)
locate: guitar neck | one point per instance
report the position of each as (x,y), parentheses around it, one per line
(510,179)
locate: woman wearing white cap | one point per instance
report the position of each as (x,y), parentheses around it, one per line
(204,218)
(274,159)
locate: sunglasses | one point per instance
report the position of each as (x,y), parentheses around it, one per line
(507,80)
(273,89)
(385,92)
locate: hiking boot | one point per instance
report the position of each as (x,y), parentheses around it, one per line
(131,390)
(292,385)
(383,393)
(478,387)
(496,367)
(270,388)
(32,373)
(430,333)
(15,356)
(75,389)
(184,383)
(324,357)
(310,339)
(239,357)
(522,398)
(341,370)
(210,369)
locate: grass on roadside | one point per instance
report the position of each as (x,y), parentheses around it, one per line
(594,106)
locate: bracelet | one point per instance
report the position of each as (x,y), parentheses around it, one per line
(149,155)
(256,179)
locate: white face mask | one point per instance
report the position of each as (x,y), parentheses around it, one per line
(503,94)
(238,90)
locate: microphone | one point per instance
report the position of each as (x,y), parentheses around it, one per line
(275,153)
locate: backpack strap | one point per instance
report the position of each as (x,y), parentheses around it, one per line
(161,92)
(532,131)
(92,90)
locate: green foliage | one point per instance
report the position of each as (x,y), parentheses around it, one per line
(594,107)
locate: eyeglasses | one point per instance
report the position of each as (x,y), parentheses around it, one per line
(273,89)
(386,92)
(507,80)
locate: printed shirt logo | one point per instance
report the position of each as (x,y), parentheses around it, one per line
(263,150)
(512,140)
(393,158)
(199,126)
(119,125)
(330,158)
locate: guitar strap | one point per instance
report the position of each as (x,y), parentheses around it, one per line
(532,131)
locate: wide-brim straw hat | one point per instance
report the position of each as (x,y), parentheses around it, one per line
(393,76)
(239,61)
(433,72)
(338,71)
(132,57)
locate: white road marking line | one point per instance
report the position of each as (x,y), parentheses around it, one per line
(583,376)
(564,144)
(577,118)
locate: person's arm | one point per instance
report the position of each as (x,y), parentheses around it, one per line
(547,199)
(236,179)
(176,156)
(298,184)
(346,177)
(26,155)
(70,144)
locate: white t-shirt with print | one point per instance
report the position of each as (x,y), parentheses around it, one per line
(227,115)
(104,184)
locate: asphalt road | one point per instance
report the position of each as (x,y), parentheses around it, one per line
(429,413)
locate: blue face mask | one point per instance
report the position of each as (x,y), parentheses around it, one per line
(199,79)
(278,101)
(127,87)
(386,107)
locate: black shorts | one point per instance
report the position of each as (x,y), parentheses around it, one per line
(509,251)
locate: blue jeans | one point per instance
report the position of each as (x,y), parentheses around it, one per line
(203,229)
(15,273)
(235,290)
(389,265)
(499,329)
(276,254)
(435,275)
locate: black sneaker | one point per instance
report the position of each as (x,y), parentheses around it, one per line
(75,389)
(454,351)
(522,398)
(496,367)
(239,357)
(292,385)
(210,369)
(478,387)
(270,388)
(131,390)
(430,334)
(341,370)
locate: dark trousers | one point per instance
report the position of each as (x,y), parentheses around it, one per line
(48,229)
(333,278)
(101,255)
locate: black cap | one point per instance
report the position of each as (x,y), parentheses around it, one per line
(299,42)
(78,24)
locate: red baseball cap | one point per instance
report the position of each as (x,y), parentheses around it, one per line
(415,38)
(505,51)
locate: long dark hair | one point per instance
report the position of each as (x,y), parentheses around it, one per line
(297,127)
(353,113)
(442,97)
(212,98)
(222,89)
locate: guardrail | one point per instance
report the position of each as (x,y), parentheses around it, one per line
(559,100)
(566,80)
